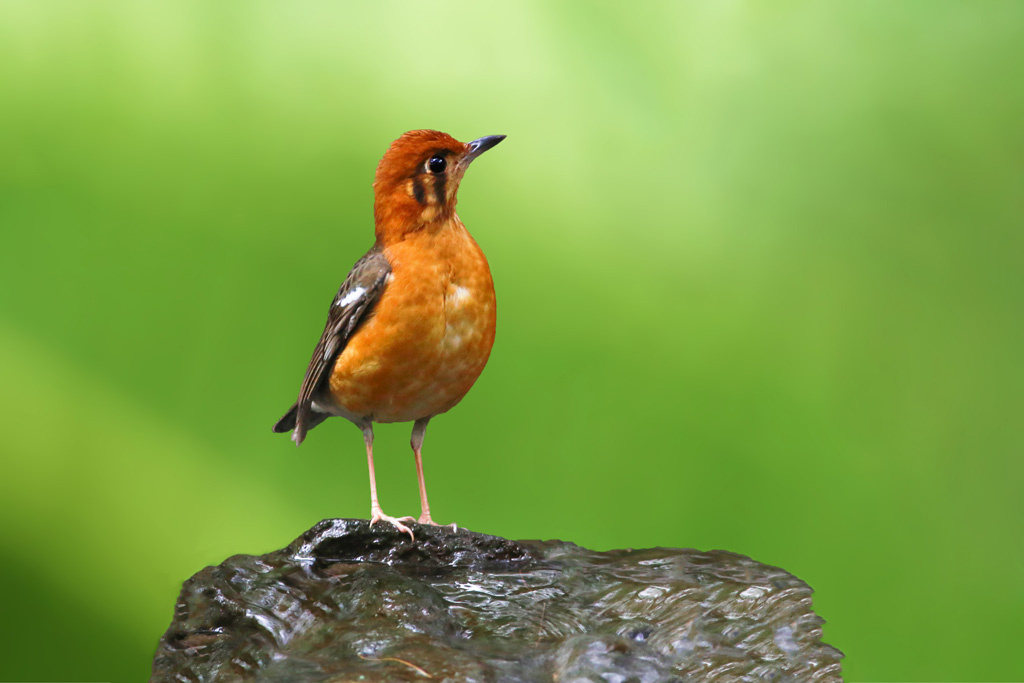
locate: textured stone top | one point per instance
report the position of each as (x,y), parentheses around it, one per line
(345,602)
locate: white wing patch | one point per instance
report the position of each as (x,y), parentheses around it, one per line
(355,295)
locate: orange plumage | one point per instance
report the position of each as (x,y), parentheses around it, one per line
(412,327)
(430,334)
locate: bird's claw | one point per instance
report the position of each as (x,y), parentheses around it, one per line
(425,519)
(379,516)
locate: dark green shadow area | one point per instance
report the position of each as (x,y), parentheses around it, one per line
(49,634)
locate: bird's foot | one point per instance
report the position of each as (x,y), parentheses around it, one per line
(377,515)
(425,519)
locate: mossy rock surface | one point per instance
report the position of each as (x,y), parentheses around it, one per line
(346,602)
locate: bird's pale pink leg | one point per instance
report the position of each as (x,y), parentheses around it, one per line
(418,431)
(376,514)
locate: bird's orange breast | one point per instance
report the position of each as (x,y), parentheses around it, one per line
(429,335)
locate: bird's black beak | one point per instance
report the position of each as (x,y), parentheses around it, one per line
(481,145)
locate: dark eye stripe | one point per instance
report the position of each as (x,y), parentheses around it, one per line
(417,190)
(439,188)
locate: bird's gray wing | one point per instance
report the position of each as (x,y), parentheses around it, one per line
(352,305)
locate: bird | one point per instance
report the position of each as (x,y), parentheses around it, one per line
(412,326)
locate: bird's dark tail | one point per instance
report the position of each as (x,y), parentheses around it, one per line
(287,423)
(290,421)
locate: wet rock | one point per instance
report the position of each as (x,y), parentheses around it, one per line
(345,602)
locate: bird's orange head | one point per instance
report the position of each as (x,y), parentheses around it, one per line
(418,178)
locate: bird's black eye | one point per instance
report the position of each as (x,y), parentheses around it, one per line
(436,164)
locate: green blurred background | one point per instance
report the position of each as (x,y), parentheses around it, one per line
(759,280)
